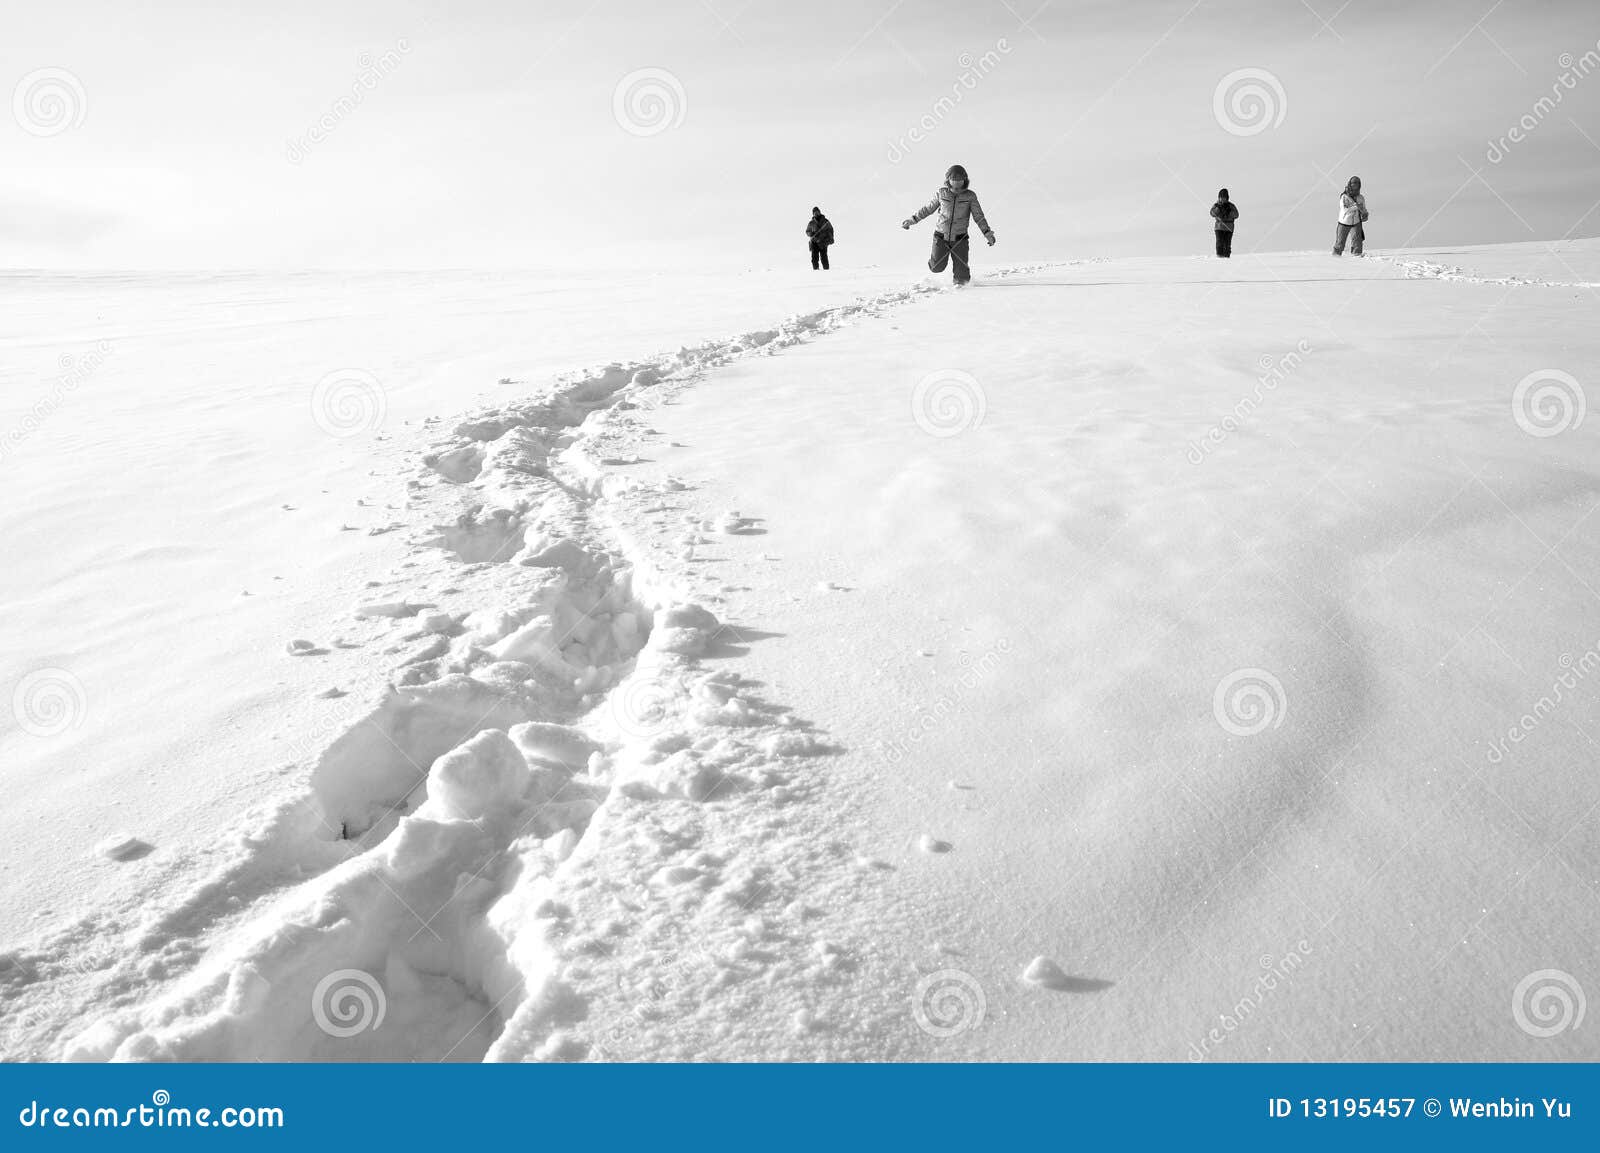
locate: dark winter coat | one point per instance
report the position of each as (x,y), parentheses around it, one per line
(1224,213)
(820,229)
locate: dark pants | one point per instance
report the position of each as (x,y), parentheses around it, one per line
(948,251)
(1352,232)
(819,252)
(1224,242)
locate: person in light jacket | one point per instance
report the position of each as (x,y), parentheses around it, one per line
(1352,215)
(1223,213)
(957,205)
(820,231)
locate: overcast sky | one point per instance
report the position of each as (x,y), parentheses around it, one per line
(700,132)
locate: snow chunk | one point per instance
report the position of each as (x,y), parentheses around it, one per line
(1044,972)
(683,629)
(686,617)
(394,610)
(557,744)
(789,745)
(438,622)
(474,779)
(677,875)
(122,847)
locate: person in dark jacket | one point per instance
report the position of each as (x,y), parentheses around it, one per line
(820,230)
(956,204)
(1223,213)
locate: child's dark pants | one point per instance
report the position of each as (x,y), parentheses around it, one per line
(1224,242)
(819,252)
(945,251)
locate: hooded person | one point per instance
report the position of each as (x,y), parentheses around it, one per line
(958,208)
(820,231)
(1352,215)
(1223,213)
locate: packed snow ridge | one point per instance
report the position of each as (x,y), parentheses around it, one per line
(529,798)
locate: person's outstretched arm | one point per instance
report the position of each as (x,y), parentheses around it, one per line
(983,225)
(926,210)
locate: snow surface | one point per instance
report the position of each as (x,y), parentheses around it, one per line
(1006,673)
